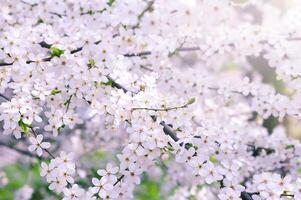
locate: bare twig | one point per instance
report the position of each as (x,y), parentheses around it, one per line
(21,151)
(4,97)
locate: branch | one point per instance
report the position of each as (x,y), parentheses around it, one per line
(168,131)
(144,53)
(21,151)
(29,4)
(147,8)
(68,102)
(118,86)
(118,180)
(246,196)
(189,102)
(4,97)
(6,64)
(287,195)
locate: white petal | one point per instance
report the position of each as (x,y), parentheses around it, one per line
(45,145)
(39,151)
(94,190)
(114,170)
(102,193)
(44,165)
(95,181)
(32,140)
(101,172)
(39,138)
(37,118)
(32,148)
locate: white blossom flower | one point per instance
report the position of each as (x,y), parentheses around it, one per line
(123,76)
(109,172)
(101,186)
(38,145)
(74,193)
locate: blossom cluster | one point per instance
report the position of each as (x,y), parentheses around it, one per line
(169,87)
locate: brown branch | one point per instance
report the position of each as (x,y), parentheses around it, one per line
(119,179)
(4,97)
(21,151)
(161,109)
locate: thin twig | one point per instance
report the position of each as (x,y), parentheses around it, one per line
(69,102)
(21,151)
(168,131)
(4,97)
(161,109)
(119,179)
(147,8)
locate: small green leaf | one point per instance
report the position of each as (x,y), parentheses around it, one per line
(299,170)
(23,126)
(61,127)
(188,145)
(108,83)
(110,2)
(56,52)
(290,146)
(91,63)
(213,159)
(67,102)
(191,101)
(179,129)
(90,12)
(40,21)
(169,148)
(55,91)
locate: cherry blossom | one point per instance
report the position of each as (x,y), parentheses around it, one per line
(178,91)
(38,145)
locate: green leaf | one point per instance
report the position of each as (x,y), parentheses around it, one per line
(213,159)
(270,123)
(40,21)
(61,127)
(56,52)
(55,91)
(299,170)
(188,145)
(91,63)
(90,12)
(191,101)
(23,126)
(169,148)
(110,2)
(108,83)
(68,101)
(290,146)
